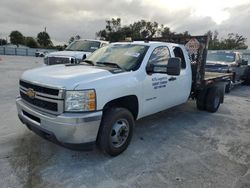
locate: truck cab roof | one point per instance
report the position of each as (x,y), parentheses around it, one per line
(150,43)
(94,40)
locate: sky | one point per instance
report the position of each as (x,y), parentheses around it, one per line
(66,18)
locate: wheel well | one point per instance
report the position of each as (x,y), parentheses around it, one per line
(129,102)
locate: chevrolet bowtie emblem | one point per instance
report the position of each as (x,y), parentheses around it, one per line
(31,93)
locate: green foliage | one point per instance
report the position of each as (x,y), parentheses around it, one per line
(16,37)
(142,29)
(43,39)
(31,42)
(77,37)
(3,42)
(234,41)
(71,39)
(60,47)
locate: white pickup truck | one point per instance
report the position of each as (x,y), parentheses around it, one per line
(75,52)
(98,100)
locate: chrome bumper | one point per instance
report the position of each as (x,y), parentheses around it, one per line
(68,128)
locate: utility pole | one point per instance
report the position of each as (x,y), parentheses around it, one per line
(45,30)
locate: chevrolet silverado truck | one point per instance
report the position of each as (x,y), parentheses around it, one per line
(75,52)
(229,62)
(97,101)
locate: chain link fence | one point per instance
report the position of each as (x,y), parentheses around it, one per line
(5,50)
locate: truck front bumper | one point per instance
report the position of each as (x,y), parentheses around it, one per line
(72,130)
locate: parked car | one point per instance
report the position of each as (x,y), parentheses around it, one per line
(228,62)
(75,52)
(98,100)
(41,53)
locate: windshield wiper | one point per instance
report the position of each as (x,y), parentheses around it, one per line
(111,64)
(88,62)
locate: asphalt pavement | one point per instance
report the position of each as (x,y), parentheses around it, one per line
(180,147)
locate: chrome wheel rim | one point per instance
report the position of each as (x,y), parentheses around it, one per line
(119,133)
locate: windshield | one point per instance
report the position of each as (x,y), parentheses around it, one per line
(83,45)
(126,56)
(221,56)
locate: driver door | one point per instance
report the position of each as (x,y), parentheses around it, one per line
(157,89)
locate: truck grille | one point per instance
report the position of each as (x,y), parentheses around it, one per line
(39,88)
(40,103)
(58,60)
(45,98)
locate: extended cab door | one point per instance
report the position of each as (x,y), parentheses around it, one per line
(162,91)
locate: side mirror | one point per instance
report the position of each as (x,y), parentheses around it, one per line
(84,57)
(174,66)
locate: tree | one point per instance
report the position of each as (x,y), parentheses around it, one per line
(77,37)
(115,32)
(31,42)
(71,39)
(60,47)
(43,39)
(234,41)
(142,29)
(16,38)
(3,42)
(112,31)
(165,31)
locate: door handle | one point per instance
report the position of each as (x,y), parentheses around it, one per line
(172,79)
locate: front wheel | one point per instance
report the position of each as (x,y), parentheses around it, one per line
(116,131)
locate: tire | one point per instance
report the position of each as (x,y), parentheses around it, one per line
(201,100)
(228,87)
(115,131)
(247,76)
(213,99)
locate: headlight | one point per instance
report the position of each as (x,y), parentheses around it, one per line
(79,101)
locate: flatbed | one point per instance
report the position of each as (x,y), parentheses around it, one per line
(215,75)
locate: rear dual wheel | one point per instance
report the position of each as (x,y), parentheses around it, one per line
(213,99)
(209,99)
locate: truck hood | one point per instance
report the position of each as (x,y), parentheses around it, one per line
(67,77)
(75,54)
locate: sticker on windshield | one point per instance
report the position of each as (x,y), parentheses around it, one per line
(132,54)
(93,48)
(231,57)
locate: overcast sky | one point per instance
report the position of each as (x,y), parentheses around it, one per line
(65,18)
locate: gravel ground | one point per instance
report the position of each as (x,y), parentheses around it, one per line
(179,147)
